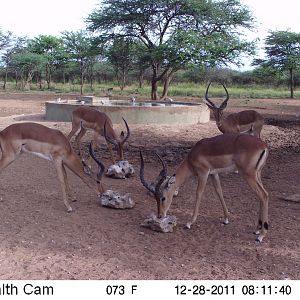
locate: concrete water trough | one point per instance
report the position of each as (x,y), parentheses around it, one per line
(147,112)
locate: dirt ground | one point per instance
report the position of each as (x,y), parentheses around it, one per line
(40,240)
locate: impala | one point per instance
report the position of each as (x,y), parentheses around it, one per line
(52,145)
(246,121)
(89,118)
(212,156)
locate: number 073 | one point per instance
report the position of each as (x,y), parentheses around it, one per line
(115,290)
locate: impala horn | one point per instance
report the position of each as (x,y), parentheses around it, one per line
(113,141)
(101,166)
(224,103)
(161,178)
(128,132)
(208,102)
(108,139)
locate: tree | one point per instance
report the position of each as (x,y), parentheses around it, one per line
(6,42)
(52,49)
(175,33)
(120,55)
(283,53)
(26,64)
(16,46)
(79,45)
(5,39)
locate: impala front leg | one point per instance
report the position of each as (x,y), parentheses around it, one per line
(202,179)
(62,180)
(218,189)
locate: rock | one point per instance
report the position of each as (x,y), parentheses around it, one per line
(114,200)
(165,224)
(121,170)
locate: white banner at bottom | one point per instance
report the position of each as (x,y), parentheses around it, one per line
(135,289)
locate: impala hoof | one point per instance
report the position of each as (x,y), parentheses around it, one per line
(259,239)
(188,225)
(226,222)
(70,209)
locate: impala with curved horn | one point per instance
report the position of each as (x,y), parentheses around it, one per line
(246,121)
(154,189)
(89,118)
(211,156)
(50,144)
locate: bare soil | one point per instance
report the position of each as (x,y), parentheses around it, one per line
(40,240)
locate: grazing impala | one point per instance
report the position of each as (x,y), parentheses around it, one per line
(89,118)
(212,156)
(246,121)
(52,145)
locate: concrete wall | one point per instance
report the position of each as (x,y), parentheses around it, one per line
(191,114)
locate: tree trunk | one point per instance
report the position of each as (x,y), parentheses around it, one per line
(5,79)
(92,77)
(48,78)
(123,81)
(16,77)
(154,82)
(292,83)
(168,79)
(154,93)
(141,78)
(81,77)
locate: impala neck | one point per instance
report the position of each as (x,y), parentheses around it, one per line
(221,126)
(182,173)
(219,119)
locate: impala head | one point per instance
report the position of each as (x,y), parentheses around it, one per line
(217,111)
(120,142)
(163,189)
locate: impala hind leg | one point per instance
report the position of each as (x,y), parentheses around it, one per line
(257,186)
(202,179)
(79,136)
(75,128)
(218,189)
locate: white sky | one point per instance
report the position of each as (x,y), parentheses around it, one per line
(50,17)
(34,17)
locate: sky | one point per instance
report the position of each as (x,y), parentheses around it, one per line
(48,17)
(34,17)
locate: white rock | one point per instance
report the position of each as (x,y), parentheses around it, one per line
(115,200)
(165,224)
(121,170)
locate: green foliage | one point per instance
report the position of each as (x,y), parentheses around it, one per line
(5,39)
(28,61)
(283,53)
(176,33)
(283,49)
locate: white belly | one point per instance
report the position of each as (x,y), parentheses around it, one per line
(228,169)
(41,155)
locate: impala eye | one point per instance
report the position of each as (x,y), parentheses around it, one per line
(163,199)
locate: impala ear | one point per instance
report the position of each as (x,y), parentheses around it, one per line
(208,104)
